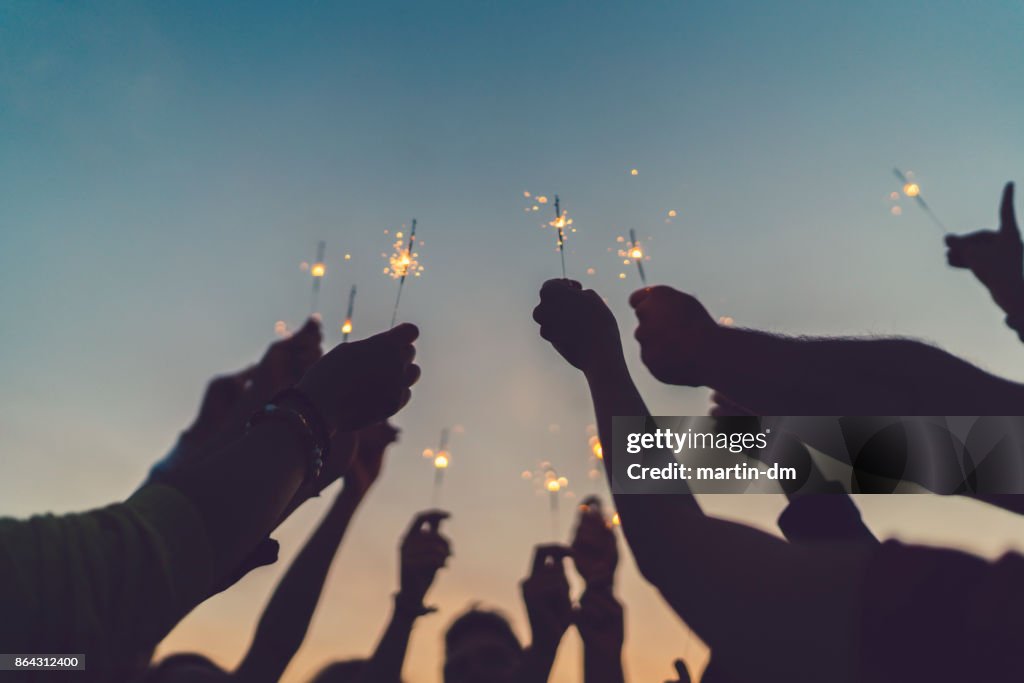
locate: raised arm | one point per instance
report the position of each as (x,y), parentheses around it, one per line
(284,622)
(600,618)
(242,492)
(996,258)
(549,609)
(773,375)
(424,551)
(702,566)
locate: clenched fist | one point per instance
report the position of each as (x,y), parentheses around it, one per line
(676,335)
(363,382)
(578,324)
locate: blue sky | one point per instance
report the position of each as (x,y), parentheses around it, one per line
(169,165)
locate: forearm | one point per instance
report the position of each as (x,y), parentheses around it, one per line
(538,659)
(385,666)
(241,491)
(601,665)
(285,620)
(614,393)
(773,375)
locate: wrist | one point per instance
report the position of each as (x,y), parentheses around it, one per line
(408,606)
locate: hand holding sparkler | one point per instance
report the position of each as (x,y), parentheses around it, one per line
(546,596)
(578,324)
(996,257)
(594,547)
(424,551)
(363,382)
(675,333)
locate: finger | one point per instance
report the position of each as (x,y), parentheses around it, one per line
(682,671)
(558,285)
(637,297)
(405,333)
(1007,219)
(554,551)
(431,517)
(956,258)
(411,375)
(407,354)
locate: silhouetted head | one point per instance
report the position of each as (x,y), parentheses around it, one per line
(340,672)
(480,647)
(187,667)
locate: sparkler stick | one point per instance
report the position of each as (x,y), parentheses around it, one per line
(911,189)
(637,254)
(561,235)
(317,270)
(346,327)
(405,260)
(441,462)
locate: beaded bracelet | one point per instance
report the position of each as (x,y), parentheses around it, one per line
(305,422)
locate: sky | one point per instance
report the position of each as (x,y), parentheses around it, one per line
(168,166)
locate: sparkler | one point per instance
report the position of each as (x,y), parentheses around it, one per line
(441,460)
(403,262)
(559,223)
(912,190)
(317,270)
(346,327)
(635,253)
(553,484)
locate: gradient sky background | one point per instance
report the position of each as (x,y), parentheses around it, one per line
(168,165)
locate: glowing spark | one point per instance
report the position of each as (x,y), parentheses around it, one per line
(615,519)
(896,211)
(317,270)
(527,474)
(595,448)
(553,485)
(441,460)
(561,222)
(913,190)
(428,452)
(634,172)
(346,327)
(634,253)
(403,262)
(542,200)
(672,213)
(281,329)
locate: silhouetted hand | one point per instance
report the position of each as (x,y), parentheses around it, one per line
(231,399)
(366,381)
(578,324)
(676,334)
(594,549)
(287,360)
(996,257)
(424,551)
(371,444)
(546,595)
(601,621)
(681,671)
(222,395)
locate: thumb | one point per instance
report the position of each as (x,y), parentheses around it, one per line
(1007,219)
